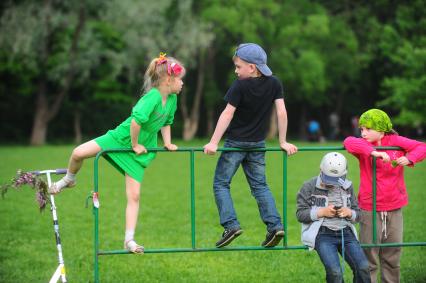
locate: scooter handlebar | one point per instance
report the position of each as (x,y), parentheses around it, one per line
(54,171)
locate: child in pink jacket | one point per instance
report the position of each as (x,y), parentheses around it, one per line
(391,194)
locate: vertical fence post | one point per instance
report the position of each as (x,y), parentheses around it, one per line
(374,201)
(96,214)
(192,161)
(285,197)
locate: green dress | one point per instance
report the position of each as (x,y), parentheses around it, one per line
(151,115)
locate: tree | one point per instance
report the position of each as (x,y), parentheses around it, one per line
(51,52)
(299,57)
(163,25)
(403,43)
(78,38)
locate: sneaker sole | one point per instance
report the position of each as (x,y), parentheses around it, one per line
(275,240)
(230,239)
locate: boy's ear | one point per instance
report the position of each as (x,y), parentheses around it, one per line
(253,69)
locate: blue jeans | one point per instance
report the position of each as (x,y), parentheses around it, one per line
(254,168)
(329,243)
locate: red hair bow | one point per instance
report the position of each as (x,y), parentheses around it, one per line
(174,68)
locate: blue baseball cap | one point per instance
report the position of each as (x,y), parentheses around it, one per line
(254,54)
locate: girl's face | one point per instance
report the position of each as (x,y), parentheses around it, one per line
(176,84)
(371,135)
(244,70)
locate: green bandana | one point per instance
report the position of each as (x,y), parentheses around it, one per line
(376,119)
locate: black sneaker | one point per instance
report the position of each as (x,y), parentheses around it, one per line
(228,236)
(273,238)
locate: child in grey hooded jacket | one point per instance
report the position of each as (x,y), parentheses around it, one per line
(327,209)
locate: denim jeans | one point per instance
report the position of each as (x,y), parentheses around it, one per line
(253,164)
(329,243)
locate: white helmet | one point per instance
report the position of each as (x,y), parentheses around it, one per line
(334,167)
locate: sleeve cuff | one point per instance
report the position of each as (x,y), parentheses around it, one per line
(353,217)
(314,214)
(139,119)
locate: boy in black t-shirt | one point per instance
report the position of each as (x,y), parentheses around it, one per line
(245,122)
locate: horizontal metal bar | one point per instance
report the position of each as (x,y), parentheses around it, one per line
(387,245)
(248,248)
(190,250)
(200,149)
(54,171)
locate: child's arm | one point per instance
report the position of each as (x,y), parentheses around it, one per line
(167,138)
(303,210)
(381,154)
(222,124)
(306,212)
(351,213)
(328,212)
(416,151)
(359,146)
(282,127)
(135,128)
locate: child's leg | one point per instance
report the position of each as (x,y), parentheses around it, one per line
(226,167)
(355,257)
(81,152)
(327,245)
(254,169)
(132,210)
(390,257)
(366,237)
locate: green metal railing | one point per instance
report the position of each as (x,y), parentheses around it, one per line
(285,246)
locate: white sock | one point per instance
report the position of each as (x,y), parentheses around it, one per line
(129,235)
(68,178)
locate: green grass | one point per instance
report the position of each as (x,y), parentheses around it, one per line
(27,244)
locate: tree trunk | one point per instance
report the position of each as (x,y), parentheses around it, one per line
(190,121)
(39,130)
(38,135)
(44,112)
(40,123)
(273,125)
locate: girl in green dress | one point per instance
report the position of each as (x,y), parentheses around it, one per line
(153,112)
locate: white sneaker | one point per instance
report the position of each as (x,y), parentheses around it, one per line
(57,187)
(133,247)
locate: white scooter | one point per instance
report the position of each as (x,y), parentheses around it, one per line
(60,270)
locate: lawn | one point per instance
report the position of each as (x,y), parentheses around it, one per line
(27,244)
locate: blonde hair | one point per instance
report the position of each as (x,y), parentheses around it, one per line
(158,70)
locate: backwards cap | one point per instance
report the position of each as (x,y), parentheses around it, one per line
(376,119)
(254,54)
(334,167)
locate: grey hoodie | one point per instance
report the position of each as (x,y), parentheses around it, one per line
(313,196)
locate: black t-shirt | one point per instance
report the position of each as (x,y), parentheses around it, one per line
(253,99)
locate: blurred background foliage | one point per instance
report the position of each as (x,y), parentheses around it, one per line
(70,70)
